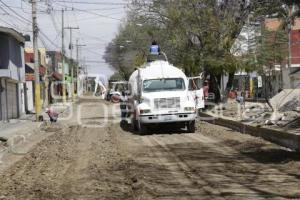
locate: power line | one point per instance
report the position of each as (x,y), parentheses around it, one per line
(17,14)
(91,3)
(93,37)
(76,21)
(13,24)
(89,12)
(4,10)
(9,24)
(23,19)
(24,11)
(52,17)
(48,39)
(43,42)
(94,52)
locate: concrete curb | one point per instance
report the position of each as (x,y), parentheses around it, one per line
(285,139)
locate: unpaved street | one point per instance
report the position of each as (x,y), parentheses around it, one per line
(90,156)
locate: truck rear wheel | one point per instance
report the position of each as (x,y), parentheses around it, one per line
(191,126)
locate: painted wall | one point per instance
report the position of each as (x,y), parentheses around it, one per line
(12,69)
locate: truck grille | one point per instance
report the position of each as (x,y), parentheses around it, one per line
(167,103)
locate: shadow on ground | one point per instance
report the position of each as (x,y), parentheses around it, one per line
(154,129)
(211,174)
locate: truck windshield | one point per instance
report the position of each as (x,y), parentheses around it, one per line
(156,85)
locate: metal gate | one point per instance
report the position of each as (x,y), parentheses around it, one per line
(12,100)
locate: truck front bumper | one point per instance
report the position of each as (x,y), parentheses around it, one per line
(167,118)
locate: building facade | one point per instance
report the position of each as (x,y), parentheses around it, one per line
(290,76)
(12,74)
(30,79)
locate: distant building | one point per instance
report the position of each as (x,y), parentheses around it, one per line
(290,76)
(282,76)
(274,24)
(30,77)
(55,71)
(55,77)
(12,74)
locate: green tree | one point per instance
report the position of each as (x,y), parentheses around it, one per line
(197,35)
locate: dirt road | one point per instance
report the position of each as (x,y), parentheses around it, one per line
(90,156)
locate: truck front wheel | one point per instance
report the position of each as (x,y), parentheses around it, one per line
(191,127)
(142,129)
(134,125)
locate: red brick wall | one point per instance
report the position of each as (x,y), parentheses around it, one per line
(295,46)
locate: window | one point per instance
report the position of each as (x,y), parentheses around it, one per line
(157,85)
(4,53)
(121,87)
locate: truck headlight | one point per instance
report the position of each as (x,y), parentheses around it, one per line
(189,109)
(145,111)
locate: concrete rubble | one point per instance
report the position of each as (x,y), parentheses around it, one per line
(286,114)
(287,100)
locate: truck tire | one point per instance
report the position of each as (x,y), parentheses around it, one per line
(142,129)
(191,126)
(133,125)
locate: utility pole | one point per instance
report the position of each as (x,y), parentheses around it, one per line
(63,56)
(71,57)
(37,87)
(290,29)
(77,59)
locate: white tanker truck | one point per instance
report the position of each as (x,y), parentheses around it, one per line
(159,94)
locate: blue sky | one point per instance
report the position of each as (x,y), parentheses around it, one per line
(98,21)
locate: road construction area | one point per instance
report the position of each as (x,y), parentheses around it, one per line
(90,156)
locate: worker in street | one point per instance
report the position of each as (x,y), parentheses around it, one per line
(53,116)
(154,49)
(205,90)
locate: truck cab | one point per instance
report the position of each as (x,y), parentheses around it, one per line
(159,94)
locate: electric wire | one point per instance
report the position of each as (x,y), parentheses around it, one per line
(92,3)
(89,12)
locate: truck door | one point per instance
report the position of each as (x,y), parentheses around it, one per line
(196,91)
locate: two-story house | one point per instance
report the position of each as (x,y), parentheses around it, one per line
(12,74)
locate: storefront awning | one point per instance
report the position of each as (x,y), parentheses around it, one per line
(29,69)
